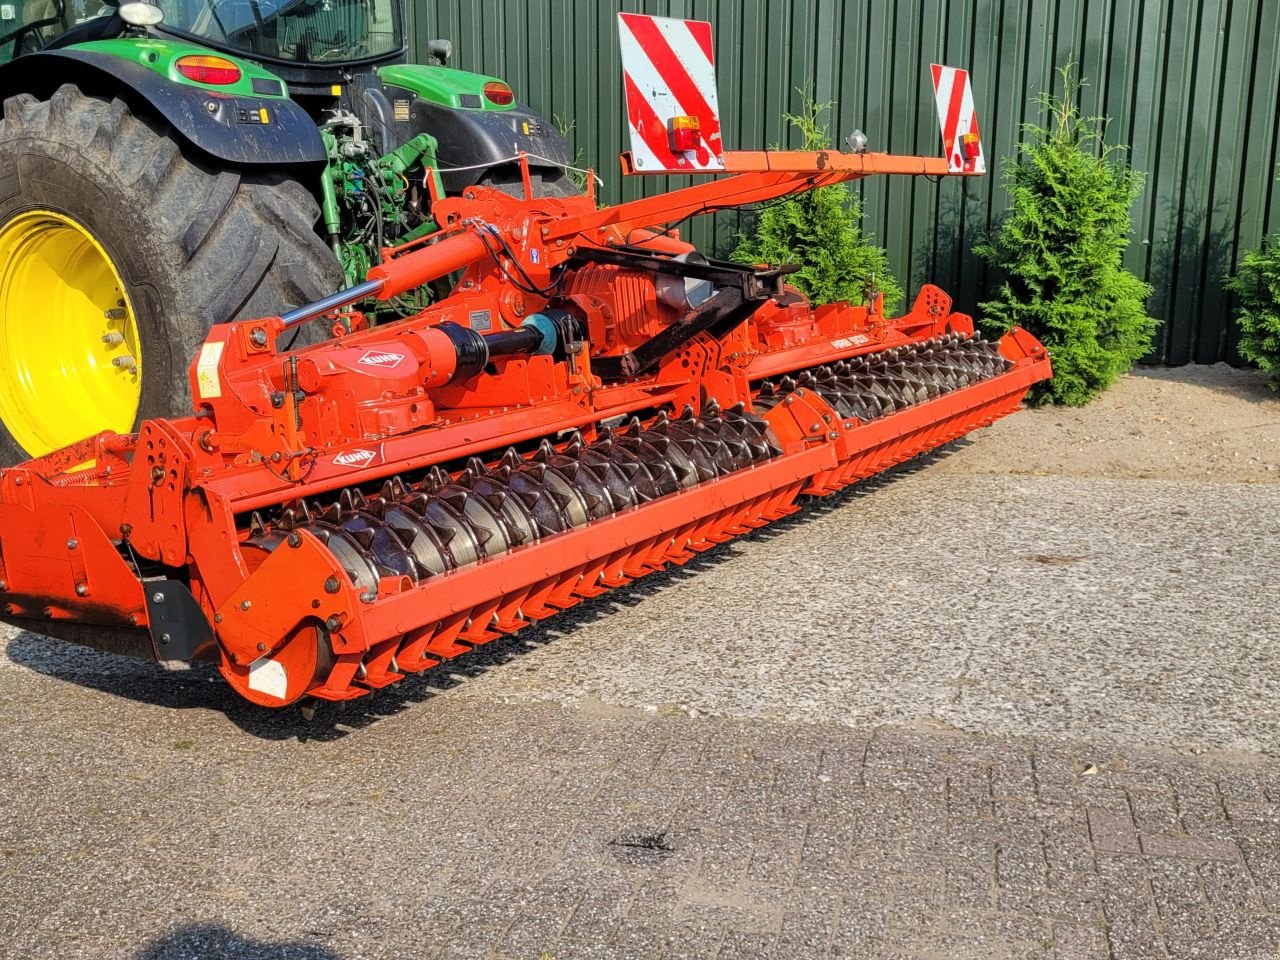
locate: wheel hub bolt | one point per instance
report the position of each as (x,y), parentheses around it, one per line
(125,362)
(115,313)
(113,338)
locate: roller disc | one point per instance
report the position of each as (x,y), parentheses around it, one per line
(520,524)
(420,539)
(447,525)
(485,523)
(609,480)
(874,385)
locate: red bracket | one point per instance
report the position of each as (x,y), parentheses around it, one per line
(297,582)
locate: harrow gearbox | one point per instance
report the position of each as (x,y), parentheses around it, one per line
(593,401)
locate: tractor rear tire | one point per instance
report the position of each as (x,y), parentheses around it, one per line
(191,245)
(545,183)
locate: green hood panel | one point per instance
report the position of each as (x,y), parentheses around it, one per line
(161,56)
(443,85)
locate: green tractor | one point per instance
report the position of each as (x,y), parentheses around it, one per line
(165,167)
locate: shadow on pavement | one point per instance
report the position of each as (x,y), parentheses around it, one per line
(211,941)
(201,686)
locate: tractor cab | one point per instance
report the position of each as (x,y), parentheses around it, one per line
(301,32)
(292,35)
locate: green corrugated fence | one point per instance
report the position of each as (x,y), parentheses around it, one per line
(1192,86)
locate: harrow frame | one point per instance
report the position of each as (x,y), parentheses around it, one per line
(150,540)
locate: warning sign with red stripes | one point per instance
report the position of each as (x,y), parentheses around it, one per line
(669,73)
(961,140)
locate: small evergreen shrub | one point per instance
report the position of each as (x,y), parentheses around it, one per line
(1060,248)
(1257,286)
(821,231)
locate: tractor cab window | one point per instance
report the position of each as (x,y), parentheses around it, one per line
(298,31)
(27,25)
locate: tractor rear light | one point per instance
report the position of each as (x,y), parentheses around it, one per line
(499,93)
(685,133)
(971,146)
(216,71)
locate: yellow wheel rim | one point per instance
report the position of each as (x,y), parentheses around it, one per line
(70,356)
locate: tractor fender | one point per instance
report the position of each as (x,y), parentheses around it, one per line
(231,129)
(474,139)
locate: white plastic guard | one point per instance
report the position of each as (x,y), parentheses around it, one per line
(668,70)
(954,95)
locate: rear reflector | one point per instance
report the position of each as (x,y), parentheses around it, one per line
(685,133)
(499,93)
(216,71)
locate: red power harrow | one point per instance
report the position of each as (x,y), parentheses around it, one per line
(592,402)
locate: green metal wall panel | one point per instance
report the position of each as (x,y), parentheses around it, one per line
(1192,88)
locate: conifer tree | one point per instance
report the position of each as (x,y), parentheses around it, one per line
(1257,286)
(1060,249)
(820,230)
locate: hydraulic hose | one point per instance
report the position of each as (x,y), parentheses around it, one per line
(394,277)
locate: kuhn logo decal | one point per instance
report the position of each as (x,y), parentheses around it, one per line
(381,358)
(354,458)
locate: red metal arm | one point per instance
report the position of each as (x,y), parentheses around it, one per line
(754,177)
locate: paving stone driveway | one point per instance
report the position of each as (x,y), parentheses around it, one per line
(458,829)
